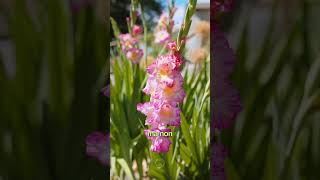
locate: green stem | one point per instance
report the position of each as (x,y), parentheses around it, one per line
(184,30)
(145,33)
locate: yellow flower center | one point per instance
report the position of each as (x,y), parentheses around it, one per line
(165,111)
(164,69)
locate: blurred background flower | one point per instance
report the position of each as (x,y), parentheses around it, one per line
(98,146)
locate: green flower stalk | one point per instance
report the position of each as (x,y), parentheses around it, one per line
(185,27)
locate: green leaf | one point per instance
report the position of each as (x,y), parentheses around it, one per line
(126,168)
(230,170)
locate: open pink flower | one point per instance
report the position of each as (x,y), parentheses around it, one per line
(164,65)
(98,147)
(172,91)
(162,37)
(159,143)
(160,113)
(168,88)
(162,71)
(127,41)
(134,54)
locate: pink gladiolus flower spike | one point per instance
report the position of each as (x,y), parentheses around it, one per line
(164,85)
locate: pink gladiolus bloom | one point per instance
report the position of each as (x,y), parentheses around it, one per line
(159,143)
(163,66)
(226,100)
(98,147)
(134,54)
(169,89)
(164,82)
(162,37)
(172,90)
(136,30)
(151,86)
(127,41)
(176,59)
(160,113)
(172,46)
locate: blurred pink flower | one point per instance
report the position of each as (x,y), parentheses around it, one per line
(218,155)
(106,91)
(223,56)
(127,41)
(226,103)
(162,37)
(226,100)
(98,147)
(163,20)
(134,54)
(172,46)
(136,30)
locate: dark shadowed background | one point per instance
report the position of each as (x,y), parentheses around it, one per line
(53,63)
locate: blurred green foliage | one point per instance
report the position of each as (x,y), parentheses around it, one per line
(277,134)
(53,100)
